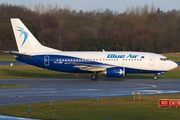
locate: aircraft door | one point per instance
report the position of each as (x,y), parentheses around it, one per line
(46,60)
(151,61)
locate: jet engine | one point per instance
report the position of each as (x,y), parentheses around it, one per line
(114,72)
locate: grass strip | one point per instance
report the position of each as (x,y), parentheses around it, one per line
(177,54)
(175,59)
(89,109)
(7,58)
(12,86)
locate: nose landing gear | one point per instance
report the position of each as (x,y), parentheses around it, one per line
(155,77)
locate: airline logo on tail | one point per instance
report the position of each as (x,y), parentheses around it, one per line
(23,32)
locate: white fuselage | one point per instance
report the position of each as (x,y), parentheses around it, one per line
(134,60)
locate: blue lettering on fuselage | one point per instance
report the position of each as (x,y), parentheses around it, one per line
(121,56)
(132,56)
(115,56)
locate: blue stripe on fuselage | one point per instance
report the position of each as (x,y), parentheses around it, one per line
(38,60)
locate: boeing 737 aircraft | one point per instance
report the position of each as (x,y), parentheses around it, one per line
(111,64)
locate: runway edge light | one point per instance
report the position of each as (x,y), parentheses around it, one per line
(133,96)
(139,95)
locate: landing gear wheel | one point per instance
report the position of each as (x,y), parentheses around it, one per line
(155,77)
(94,77)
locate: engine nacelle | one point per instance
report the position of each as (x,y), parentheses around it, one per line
(114,72)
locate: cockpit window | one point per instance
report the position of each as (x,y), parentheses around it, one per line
(164,59)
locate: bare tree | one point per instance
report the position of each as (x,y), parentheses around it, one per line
(153,8)
(137,10)
(59,35)
(145,9)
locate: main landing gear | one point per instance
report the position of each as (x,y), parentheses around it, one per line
(155,77)
(94,76)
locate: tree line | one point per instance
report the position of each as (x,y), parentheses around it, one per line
(137,29)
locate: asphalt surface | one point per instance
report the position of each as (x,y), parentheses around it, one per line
(68,88)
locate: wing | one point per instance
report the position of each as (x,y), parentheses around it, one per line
(90,67)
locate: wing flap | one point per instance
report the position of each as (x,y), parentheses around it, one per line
(88,67)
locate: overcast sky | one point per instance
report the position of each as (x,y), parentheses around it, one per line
(89,5)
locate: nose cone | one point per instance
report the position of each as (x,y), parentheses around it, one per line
(169,65)
(173,65)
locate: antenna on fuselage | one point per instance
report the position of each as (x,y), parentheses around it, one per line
(103,50)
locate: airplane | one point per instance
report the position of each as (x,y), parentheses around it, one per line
(111,64)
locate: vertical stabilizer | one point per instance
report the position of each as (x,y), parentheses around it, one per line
(25,40)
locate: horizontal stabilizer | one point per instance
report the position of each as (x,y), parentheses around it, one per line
(17,53)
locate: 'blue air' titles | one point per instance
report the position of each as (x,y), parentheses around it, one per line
(121,56)
(132,56)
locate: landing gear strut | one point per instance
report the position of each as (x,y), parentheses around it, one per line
(94,76)
(155,77)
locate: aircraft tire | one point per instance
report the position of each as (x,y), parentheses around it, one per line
(155,77)
(94,77)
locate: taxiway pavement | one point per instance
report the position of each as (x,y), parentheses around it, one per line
(80,88)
